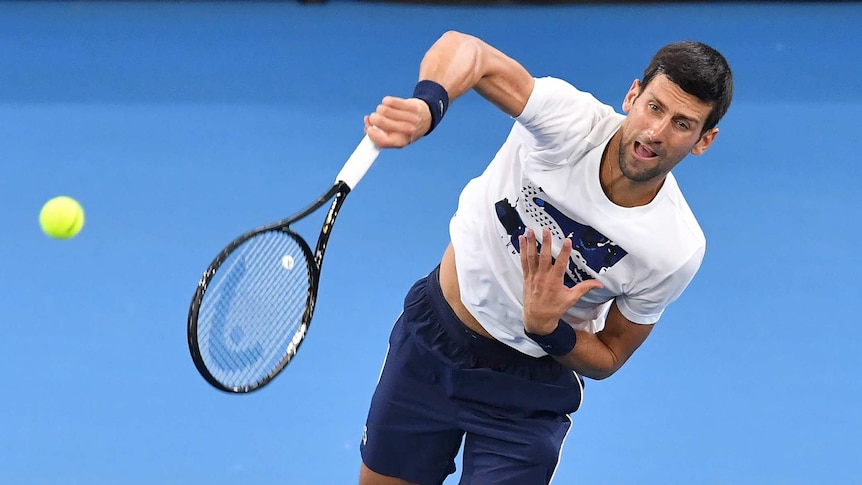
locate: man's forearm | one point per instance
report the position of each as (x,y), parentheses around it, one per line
(591,357)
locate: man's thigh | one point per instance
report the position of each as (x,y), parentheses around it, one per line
(411,431)
(514,452)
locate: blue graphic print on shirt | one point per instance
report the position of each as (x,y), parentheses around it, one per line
(591,247)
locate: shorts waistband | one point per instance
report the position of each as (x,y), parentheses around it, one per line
(483,347)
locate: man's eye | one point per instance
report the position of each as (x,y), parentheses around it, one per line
(682,125)
(653,106)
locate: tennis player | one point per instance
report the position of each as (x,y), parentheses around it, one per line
(564,253)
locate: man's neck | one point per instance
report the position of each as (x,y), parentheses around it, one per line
(619,189)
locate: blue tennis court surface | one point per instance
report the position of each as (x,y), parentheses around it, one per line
(180,125)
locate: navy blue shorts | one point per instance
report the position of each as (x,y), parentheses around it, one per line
(442,382)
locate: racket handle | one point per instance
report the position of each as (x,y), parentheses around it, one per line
(358,163)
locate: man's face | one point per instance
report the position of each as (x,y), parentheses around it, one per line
(663,125)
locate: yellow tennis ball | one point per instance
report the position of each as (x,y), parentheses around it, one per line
(62,217)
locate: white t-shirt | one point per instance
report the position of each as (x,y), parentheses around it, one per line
(546,174)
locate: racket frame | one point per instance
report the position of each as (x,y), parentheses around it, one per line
(315,263)
(351,173)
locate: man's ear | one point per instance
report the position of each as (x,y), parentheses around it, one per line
(705,142)
(633,93)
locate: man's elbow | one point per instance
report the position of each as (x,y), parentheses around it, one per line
(602,370)
(599,374)
(455,41)
(455,36)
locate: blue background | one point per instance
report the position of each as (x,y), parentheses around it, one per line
(180,125)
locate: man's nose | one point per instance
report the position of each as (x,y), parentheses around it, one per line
(657,130)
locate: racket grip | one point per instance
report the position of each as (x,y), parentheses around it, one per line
(358,163)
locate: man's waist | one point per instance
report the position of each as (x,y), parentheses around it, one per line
(452,294)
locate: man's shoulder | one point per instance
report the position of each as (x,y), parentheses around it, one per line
(551,86)
(681,210)
(558,111)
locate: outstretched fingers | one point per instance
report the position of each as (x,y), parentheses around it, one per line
(559,267)
(545,260)
(542,271)
(529,260)
(534,261)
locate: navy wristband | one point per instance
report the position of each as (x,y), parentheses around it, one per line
(437,99)
(559,342)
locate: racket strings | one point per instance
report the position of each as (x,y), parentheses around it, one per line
(252,309)
(251,340)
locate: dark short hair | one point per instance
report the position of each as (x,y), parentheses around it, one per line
(700,71)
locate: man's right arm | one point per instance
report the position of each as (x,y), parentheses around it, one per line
(458,62)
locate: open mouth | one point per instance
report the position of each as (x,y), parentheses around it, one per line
(642,152)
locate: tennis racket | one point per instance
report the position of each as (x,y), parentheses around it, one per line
(253,305)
